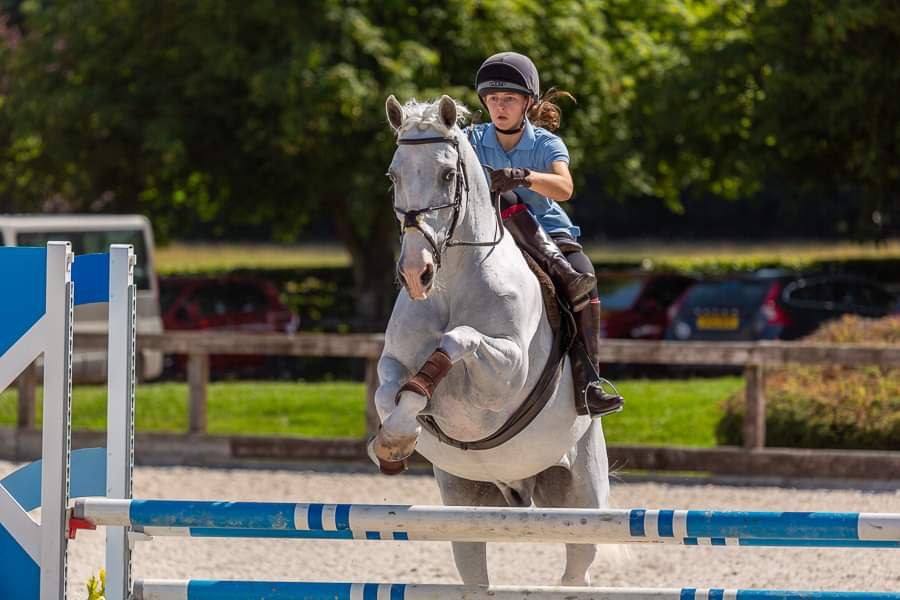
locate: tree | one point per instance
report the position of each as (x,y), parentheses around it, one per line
(268,112)
(798,93)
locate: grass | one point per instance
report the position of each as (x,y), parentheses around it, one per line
(186,258)
(757,251)
(682,412)
(182,257)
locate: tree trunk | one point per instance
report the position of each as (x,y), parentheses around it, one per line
(371,250)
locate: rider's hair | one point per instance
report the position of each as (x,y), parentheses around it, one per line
(545,113)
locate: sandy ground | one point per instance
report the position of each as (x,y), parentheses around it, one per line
(510,564)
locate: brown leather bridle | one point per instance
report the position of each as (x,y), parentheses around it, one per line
(412,218)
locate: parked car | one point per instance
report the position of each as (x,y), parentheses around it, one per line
(228,303)
(772,306)
(635,305)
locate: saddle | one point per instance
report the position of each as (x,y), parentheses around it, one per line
(562,323)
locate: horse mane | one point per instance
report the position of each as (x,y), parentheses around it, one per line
(422,115)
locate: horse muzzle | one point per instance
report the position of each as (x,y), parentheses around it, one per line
(417,276)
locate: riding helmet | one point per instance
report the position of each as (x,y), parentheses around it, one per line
(508,72)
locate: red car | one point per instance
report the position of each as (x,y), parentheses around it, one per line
(634,305)
(227,303)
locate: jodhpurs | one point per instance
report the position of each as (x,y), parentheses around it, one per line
(574,253)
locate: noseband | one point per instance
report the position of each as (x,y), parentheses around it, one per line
(412,219)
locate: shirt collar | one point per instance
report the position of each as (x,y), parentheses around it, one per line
(525,143)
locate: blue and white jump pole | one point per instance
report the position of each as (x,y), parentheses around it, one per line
(192,518)
(283,590)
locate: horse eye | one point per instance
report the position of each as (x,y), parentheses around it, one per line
(449,175)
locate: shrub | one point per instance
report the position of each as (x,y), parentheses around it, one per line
(829,406)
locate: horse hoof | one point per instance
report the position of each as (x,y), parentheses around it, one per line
(392,467)
(390,458)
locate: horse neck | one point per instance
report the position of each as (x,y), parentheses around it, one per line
(478,219)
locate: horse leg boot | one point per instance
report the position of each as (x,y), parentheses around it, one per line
(393,448)
(532,238)
(590,397)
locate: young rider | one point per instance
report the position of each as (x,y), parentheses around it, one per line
(530,169)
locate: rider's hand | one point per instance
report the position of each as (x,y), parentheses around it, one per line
(508,179)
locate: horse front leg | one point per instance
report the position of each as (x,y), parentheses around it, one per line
(492,365)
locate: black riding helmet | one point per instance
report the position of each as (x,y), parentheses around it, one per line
(508,72)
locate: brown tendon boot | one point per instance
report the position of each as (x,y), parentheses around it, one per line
(590,397)
(532,238)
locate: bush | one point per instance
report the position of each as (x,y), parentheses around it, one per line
(829,406)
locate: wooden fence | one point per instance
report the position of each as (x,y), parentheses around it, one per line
(753,357)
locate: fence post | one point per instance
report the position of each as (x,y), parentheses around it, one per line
(198,378)
(372,421)
(755,408)
(27,387)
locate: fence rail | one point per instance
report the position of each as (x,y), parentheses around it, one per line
(754,357)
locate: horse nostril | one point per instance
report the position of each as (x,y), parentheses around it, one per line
(427,276)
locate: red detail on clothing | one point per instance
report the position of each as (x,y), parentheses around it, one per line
(594,301)
(515,208)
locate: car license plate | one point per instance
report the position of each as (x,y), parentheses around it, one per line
(718,322)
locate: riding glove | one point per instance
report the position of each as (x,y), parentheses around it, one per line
(508,179)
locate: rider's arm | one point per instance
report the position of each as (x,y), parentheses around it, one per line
(556,185)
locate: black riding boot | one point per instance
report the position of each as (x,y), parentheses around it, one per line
(590,397)
(532,238)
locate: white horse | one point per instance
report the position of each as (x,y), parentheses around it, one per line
(471,294)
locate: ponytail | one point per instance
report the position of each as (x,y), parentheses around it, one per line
(545,113)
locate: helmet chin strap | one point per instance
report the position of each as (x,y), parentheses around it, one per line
(511,131)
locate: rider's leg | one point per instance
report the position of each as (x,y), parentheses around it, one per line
(532,238)
(590,398)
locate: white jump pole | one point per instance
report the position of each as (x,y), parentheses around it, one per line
(56,437)
(120,411)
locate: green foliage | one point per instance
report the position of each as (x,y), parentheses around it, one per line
(762,91)
(830,406)
(211,115)
(266,112)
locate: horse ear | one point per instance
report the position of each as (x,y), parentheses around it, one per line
(394,112)
(447,108)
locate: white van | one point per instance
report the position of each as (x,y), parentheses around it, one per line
(89,234)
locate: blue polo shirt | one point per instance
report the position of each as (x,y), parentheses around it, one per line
(536,151)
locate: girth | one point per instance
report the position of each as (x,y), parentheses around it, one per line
(562,322)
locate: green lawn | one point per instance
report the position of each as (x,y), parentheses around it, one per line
(181,257)
(677,412)
(674,412)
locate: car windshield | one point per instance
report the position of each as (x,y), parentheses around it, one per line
(90,242)
(618,294)
(734,293)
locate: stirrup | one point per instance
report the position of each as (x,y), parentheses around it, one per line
(599,385)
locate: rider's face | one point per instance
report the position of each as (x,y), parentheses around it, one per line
(507,109)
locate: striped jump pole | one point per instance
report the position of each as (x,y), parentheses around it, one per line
(272,590)
(489,524)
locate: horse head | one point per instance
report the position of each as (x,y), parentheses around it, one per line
(433,174)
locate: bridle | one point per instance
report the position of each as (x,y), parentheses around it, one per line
(412,219)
